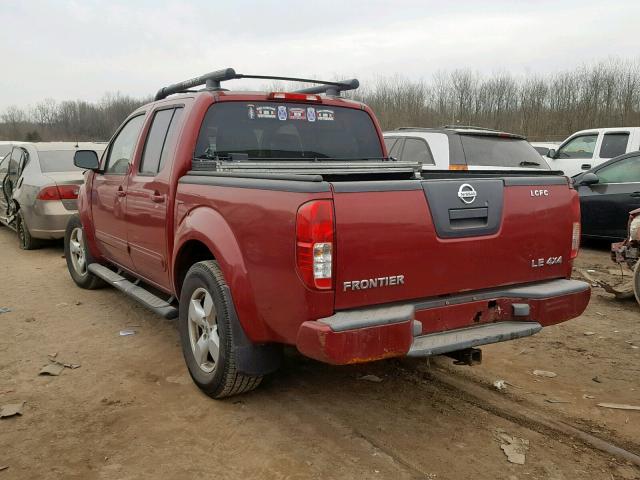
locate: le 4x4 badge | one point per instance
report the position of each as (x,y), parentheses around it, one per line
(282,112)
(297,114)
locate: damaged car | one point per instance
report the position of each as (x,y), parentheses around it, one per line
(40,187)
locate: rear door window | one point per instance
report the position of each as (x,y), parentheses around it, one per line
(396,150)
(579,147)
(494,151)
(614,144)
(416,149)
(161,135)
(291,131)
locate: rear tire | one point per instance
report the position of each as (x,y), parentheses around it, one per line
(78,257)
(25,240)
(206,333)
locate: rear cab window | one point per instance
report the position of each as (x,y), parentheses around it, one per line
(291,131)
(614,144)
(416,149)
(500,152)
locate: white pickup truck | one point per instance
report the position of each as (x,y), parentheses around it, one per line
(588,148)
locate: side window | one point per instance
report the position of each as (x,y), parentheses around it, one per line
(155,141)
(15,162)
(122,148)
(624,171)
(614,144)
(579,147)
(172,136)
(396,149)
(160,141)
(416,149)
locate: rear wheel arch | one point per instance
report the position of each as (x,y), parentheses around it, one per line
(204,227)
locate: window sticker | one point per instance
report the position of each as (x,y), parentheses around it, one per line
(297,114)
(325,115)
(311,114)
(266,112)
(282,112)
(251,111)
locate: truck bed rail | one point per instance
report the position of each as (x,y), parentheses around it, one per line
(317,167)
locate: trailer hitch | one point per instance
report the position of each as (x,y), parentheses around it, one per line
(467,356)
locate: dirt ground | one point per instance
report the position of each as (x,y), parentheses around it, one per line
(130,411)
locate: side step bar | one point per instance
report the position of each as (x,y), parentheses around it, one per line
(451,341)
(148,299)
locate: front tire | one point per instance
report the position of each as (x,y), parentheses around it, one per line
(206,333)
(78,257)
(25,240)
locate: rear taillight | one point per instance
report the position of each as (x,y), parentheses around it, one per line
(575,240)
(576,231)
(59,192)
(297,97)
(315,243)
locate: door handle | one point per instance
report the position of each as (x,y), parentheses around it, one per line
(585,166)
(120,192)
(635,194)
(157,197)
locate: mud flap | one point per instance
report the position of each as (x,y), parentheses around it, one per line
(252,359)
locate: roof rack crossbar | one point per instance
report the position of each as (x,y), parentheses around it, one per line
(212,81)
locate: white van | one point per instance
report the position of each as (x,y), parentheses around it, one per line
(588,148)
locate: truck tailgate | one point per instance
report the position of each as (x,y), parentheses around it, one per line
(415,239)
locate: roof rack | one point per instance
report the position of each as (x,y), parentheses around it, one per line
(212,81)
(471,127)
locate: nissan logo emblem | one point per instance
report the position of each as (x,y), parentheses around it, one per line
(467,193)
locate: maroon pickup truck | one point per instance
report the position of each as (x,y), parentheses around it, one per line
(270,219)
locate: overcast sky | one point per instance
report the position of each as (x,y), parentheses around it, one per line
(66,49)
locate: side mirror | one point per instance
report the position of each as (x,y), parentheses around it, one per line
(552,153)
(589,178)
(86,159)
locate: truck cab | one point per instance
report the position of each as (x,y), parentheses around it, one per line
(587,149)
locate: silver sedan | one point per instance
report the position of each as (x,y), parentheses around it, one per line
(40,189)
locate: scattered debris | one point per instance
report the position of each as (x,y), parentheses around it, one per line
(29,319)
(53,369)
(554,400)
(513,447)
(3,467)
(621,292)
(64,364)
(619,406)
(5,309)
(11,409)
(126,333)
(544,373)
(2,392)
(62,304)
(500,385)
(588,397)
(591,271)
(371,378)
(596,379)
(77,303)
(52,355)
(588,334)
(635,347)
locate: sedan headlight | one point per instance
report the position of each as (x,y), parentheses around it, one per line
(634,229)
